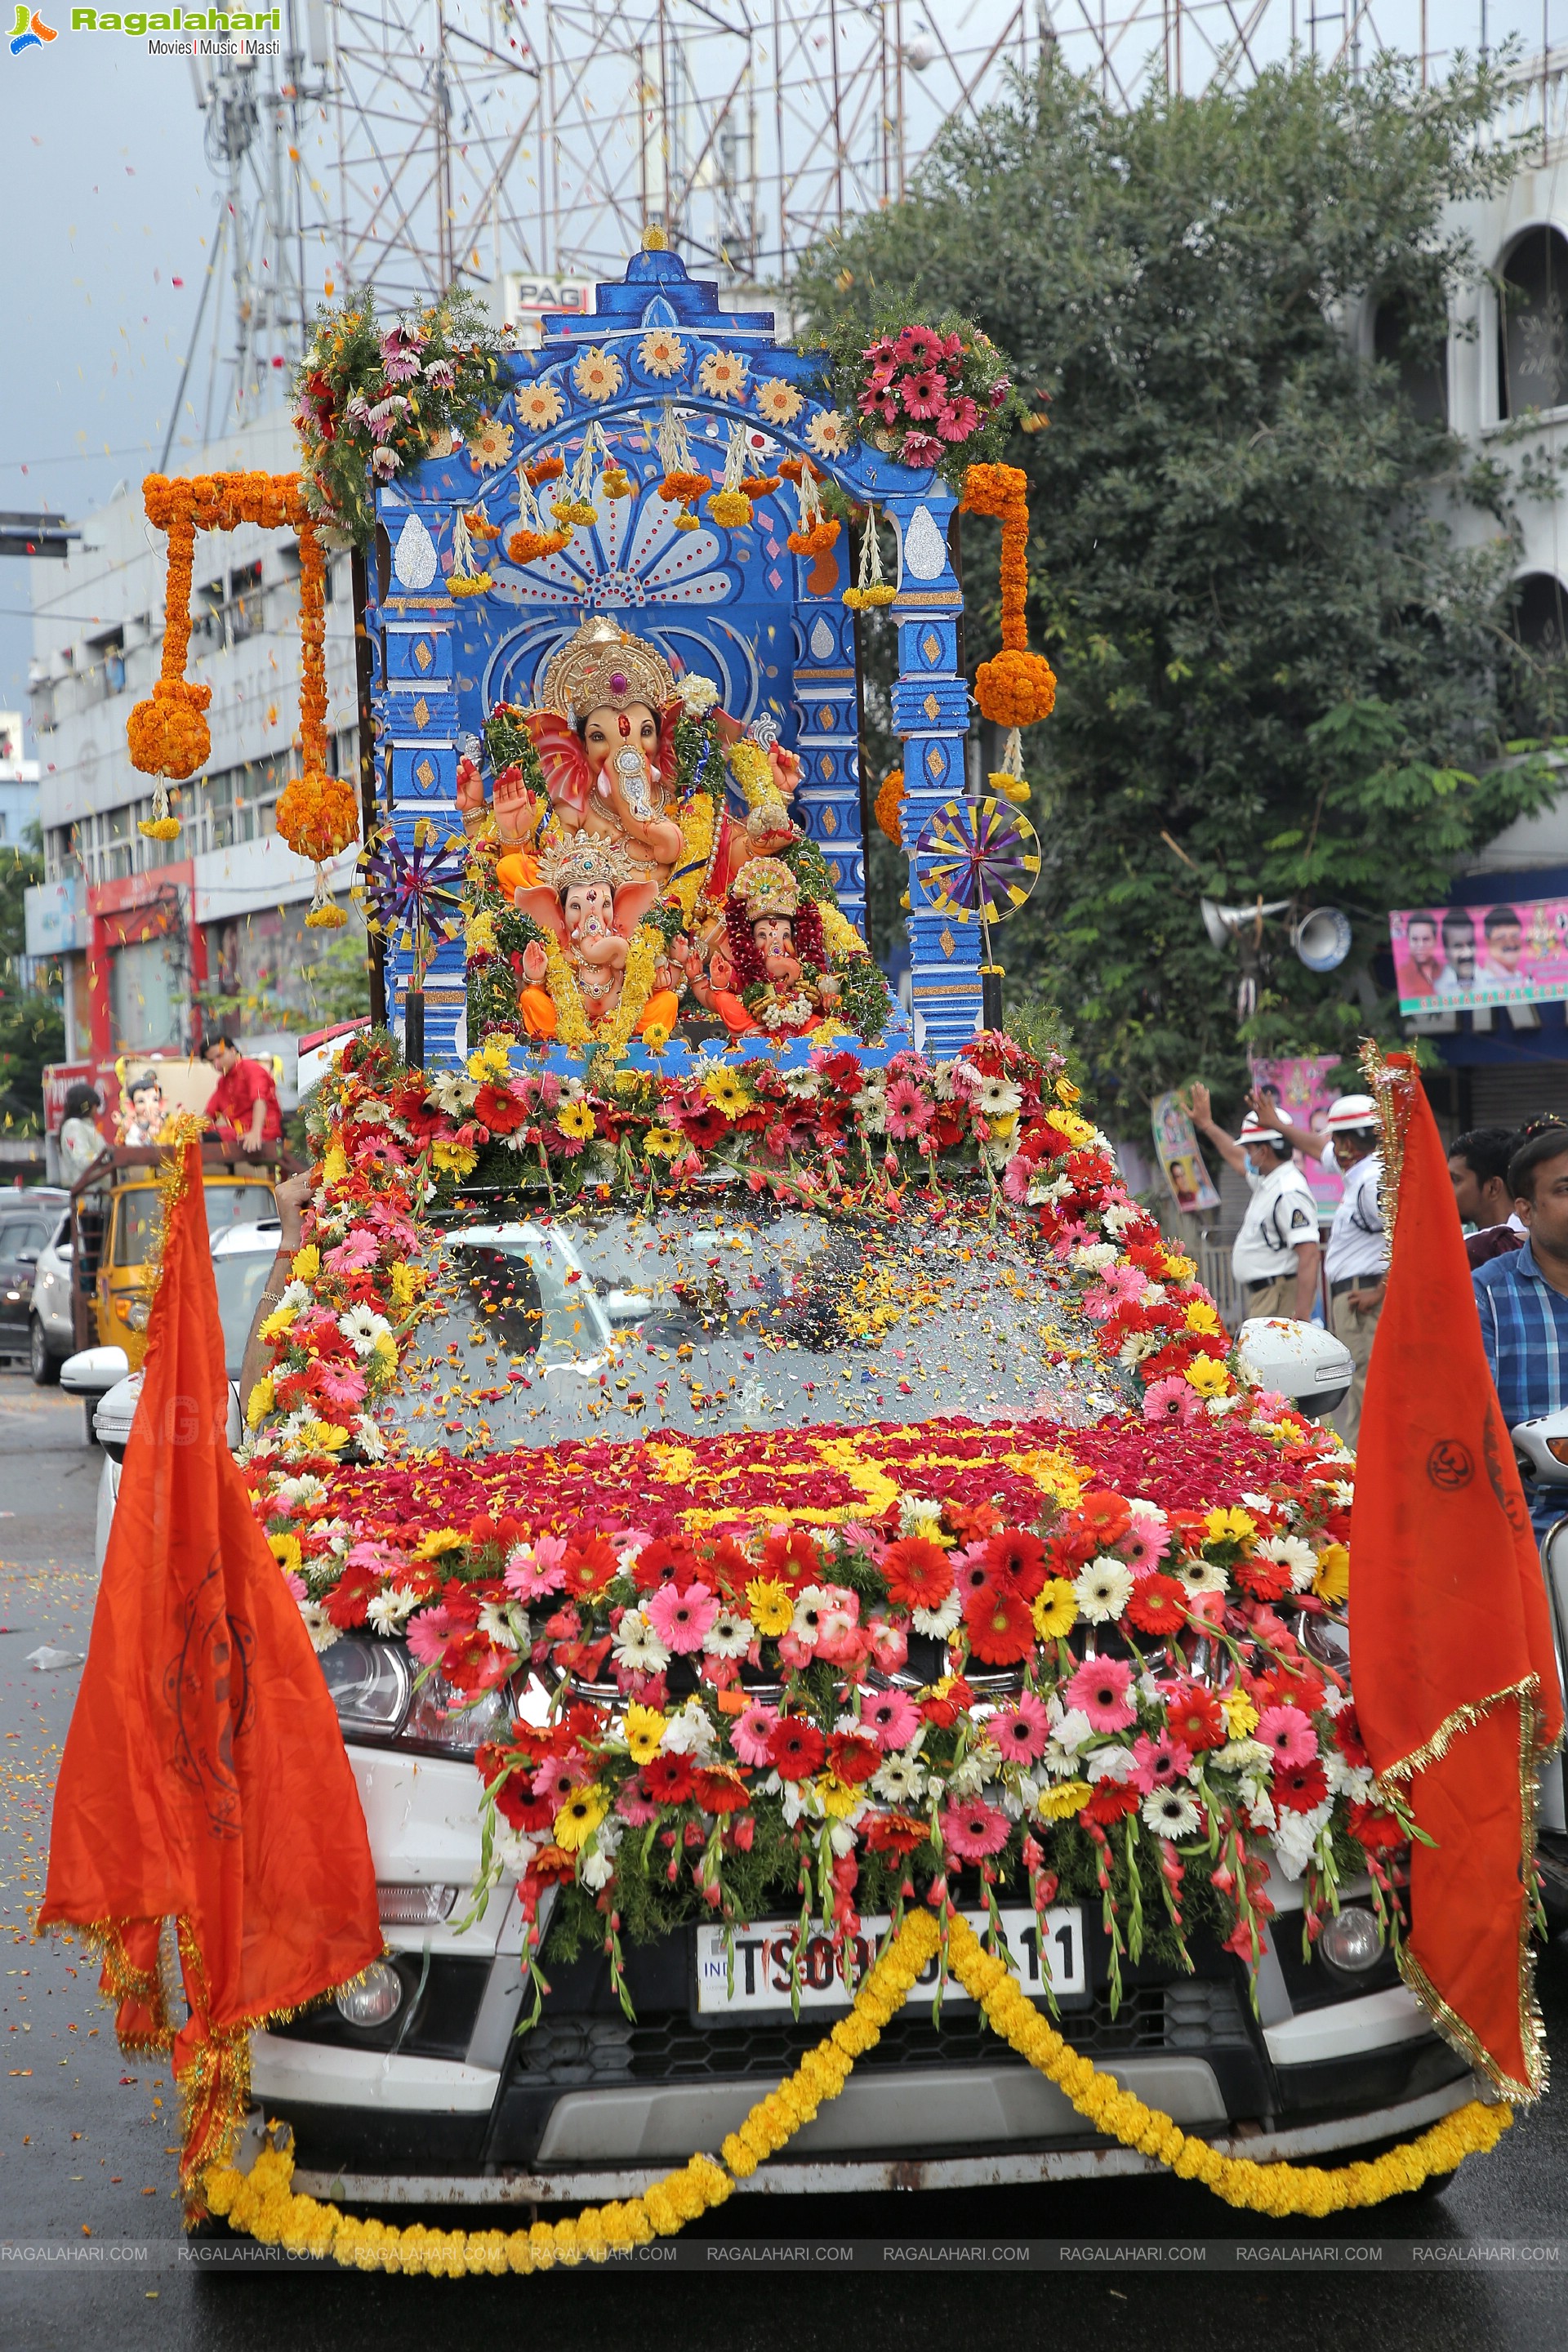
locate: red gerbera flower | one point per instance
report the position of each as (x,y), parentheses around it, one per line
(668,1779)
(1001,1630)
(498,1110)
(1348,1739)
(589,1567)
(1373,1828)
(1193,1717)
(790,1553)
(1111,1801)
(1304,1786)
(1019,1559)
(1265,1579)
(660,1562)
(895,1834)
(1106,1516)
(853,1756)
(717,1792)
(1158,1606)
(918,1572)
(796,1748)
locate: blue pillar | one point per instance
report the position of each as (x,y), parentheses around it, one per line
(419,777)
(829,800)
(931,712)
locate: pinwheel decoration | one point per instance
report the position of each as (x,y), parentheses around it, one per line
(979,860)
(412,894)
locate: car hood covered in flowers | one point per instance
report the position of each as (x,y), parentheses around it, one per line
(887,1514)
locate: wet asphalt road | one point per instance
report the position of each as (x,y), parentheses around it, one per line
(86,2161)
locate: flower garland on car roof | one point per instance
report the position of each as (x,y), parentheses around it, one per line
(1155,1590)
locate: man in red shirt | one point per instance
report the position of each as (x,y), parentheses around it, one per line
(244,1105)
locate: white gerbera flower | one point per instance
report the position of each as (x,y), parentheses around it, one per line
(297,1494)
(940,1623)
(1103,1590)
(691,1732)
(361,1327)
(638,1647)
(996,1098)
(1093,1257)
(497,1623)
(1169,1813)
(1292,1553)
(1109,1762)
(452,1094)
(389,1610)
(369,1439)
(899,1779)
(731,1635)
(1203,1576)
(317,1624)
(803,1085)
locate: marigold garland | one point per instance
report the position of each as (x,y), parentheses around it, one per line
(889,801)
(1016,688)
(262,2203)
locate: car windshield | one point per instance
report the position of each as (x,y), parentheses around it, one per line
(139,1208)
(723,1318)
(241,1275)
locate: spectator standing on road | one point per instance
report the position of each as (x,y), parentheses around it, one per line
(1356,1260)
(244,1104)
(1274,1256)
(82,1138)
(1479,1165)
(1522,1299)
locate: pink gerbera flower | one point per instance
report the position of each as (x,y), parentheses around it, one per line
(1290,1734)
(1173,1399)
(891,1718)
(924,395)
(1022,1729)
(1143,1545)
(972,1830)
(1099,1690)
(343,1387)
(559,1775)
(909,1113)
(534,1570)
(920,449)
(958,420)
(751,1732)
(1158,1761)
(918,346)
(427,1635)
(681,1619)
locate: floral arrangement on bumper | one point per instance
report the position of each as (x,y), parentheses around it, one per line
(1101,1660)
(931,395)
(375,403)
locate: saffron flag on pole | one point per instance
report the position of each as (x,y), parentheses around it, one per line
(1456,1682)
(205,1779)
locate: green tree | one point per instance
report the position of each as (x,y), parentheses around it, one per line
(1282,670)
(32,1018)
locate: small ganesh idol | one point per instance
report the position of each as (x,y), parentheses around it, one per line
(768,968)
(588,900)
(604,737)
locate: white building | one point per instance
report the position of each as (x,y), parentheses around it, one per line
(18,782)
(145,926)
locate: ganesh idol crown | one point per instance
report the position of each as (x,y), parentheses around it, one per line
(635,867)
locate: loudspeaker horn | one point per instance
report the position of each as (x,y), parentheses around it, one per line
(1222,923)
(1322,938)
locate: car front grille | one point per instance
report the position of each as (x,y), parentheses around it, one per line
(1197,2015)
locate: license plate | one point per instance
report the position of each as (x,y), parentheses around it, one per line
(1048,1951)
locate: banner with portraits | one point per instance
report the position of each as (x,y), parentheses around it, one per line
(1461,959)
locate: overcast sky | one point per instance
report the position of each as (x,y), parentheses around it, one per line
(107,200)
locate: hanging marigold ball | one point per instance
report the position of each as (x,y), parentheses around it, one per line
(731,508)
(318,816)
(168,736)
(1015,689)
(889,801)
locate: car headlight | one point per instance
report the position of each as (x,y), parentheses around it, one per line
(369,1682)
(440,1716)
(374,1999)
(1352,1940)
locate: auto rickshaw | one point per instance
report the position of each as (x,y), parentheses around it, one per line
(116,1209)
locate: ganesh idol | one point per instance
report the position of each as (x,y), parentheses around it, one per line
(605,731)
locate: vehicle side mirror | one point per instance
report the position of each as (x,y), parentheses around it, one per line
(63,1250)
(26,1257)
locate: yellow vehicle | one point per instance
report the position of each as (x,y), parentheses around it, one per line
(115,1213)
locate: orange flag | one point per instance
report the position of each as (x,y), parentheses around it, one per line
(204,1779)
(1456,1683)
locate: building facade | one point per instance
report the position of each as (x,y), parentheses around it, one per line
(164,940)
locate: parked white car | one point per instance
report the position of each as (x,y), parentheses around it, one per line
(51,1331)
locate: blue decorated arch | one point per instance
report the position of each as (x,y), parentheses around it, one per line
(768,627)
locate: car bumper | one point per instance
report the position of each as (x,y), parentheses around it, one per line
(449,2106)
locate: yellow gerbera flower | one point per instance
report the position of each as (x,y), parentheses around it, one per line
(660,1143)
(277,1323)
(306,1265)
(1210,1379)
(578,1819)
(1177,1267)
(575,1119)
(404,1280)
(1055,1609)
(1201,1317)
(334,1165)
(286,1551)
(453,1158)
(1332,1581)
(1240,1715)
(260,1404)
(1069,1797)
(725,1092)
(323,1436)
(837,1798)
(644,1728)
(439,1540)
(772,1609)
(1233,1526)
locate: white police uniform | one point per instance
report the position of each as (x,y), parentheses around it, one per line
(1356,1260)
(1280,1214)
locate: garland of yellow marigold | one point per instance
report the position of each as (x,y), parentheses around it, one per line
(1016,688)
(262,2203)
(318,815)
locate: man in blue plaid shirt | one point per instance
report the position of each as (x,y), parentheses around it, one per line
(1523,1299)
